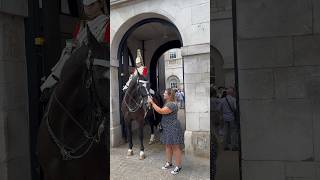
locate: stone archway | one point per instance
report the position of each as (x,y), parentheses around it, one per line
(131,40)
(120,71)
(195,51)
(157,54)
(216,67)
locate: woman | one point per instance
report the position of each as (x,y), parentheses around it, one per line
(98,23)
(171,135)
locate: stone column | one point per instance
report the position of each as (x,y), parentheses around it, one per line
(14,122)
(115,126)
(197,96)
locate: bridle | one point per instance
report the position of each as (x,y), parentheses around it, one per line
(137,105)
(67,152)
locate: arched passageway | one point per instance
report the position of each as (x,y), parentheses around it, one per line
(154,36)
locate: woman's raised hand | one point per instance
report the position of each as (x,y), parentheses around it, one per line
(150,100)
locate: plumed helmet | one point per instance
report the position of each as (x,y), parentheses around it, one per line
(139,57)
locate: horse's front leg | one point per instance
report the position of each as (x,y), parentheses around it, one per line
(129,138)
(142,156)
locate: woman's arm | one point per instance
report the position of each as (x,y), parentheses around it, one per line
(164,110)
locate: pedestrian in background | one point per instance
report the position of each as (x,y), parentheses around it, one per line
(228,105)
(183,99)
(179,97)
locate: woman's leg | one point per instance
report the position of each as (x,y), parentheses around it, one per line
(169,153)
(178,154)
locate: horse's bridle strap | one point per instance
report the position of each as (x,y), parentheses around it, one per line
(142,81)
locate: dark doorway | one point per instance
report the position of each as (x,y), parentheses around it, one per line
(158,53)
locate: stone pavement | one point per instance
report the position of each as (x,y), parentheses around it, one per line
(131,168)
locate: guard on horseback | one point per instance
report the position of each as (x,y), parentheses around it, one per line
(99,25)
(140,70)
(72,140)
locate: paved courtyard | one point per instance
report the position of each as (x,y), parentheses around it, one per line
(131,168)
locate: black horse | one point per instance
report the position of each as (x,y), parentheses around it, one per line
(133,109)
(73,138)
(153,117)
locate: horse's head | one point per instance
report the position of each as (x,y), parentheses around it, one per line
(100,64)
(136,85)
(87,70)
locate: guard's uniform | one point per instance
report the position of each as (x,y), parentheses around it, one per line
(99,27)
(142,70)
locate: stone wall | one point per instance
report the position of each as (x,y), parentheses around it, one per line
(222,40)
(279,82)
(197,90)
(14,131)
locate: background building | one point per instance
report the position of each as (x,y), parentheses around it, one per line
(173,68)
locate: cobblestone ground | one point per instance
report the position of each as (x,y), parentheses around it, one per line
(131,168)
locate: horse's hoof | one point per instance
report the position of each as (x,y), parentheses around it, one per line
(141,156)
(151,142)
(129,153)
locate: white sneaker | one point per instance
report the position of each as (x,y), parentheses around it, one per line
(167,166)
(176,170)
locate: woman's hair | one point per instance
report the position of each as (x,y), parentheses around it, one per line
(172,94)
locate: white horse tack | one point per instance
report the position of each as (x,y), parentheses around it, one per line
(101,62)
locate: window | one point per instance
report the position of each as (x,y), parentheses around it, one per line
(173,84)
(172,55)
